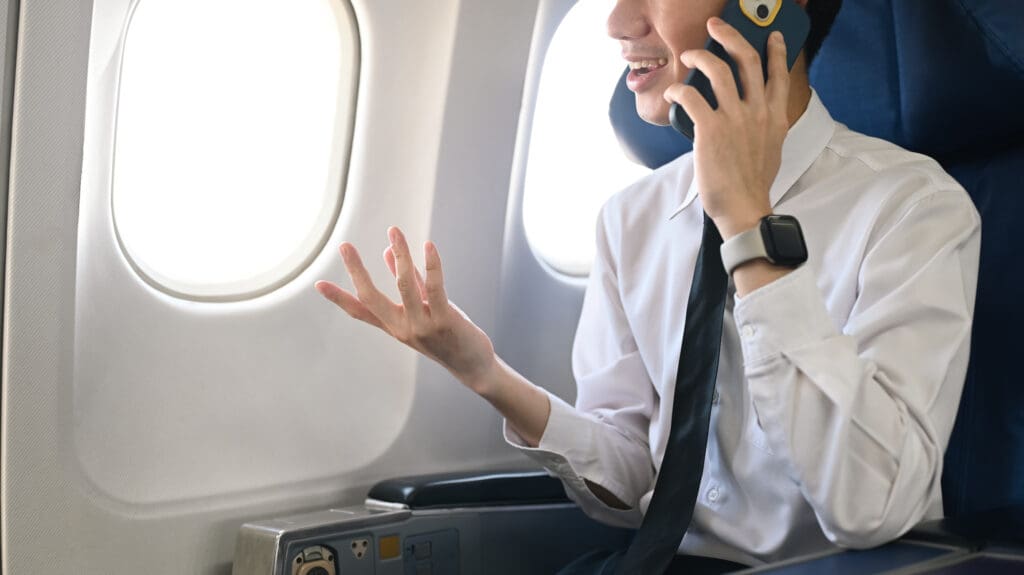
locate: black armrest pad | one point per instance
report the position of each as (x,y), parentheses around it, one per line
(469,489)
(1004,525)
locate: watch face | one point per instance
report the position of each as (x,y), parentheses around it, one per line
(784,241)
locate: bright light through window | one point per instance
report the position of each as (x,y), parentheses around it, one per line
(575,161)
(232,134)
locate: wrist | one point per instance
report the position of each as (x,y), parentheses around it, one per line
(755,274)
(729,226)
(776,241)
(485,380)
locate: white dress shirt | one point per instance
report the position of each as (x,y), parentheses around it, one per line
(838,384)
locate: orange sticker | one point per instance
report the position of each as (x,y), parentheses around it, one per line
(389,547)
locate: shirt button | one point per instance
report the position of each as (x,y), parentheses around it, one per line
(715,398)
(748,331)
(713,494)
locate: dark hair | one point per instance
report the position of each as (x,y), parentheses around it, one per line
(822,13)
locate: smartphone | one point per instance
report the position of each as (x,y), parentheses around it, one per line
(755,20)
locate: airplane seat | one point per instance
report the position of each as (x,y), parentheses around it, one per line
(944,78)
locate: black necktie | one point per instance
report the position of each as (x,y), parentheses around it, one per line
(675,491)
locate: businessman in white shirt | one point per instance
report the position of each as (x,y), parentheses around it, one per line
(839,378)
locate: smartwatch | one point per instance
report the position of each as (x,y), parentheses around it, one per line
(777,239)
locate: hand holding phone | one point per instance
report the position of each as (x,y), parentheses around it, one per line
(755,20)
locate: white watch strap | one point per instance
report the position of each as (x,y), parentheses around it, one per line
(742,248)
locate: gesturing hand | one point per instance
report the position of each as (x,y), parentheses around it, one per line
(737,147)
(425,320)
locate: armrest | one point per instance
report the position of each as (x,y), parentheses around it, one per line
(469,489)
(1000,526)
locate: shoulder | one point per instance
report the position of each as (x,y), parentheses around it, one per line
(885,159)
(891,178)
(879,163)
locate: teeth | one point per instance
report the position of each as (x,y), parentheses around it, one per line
(649,64)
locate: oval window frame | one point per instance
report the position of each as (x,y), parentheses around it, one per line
(561,265)
(326,221)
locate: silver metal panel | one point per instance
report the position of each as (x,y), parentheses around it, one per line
(258,549)
(508,540)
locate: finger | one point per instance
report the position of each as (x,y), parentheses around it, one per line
(381,306)
(406,276)
(692,101)
(748,61)
(718,72)
(436,295)
(349,303)
(389,259)
(777,91)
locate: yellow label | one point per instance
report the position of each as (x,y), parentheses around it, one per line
(749,8)
(389,547)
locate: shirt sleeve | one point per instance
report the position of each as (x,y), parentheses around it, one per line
(862,408)
(604,438)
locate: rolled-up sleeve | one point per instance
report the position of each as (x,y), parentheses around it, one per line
(603,438)
(861,408)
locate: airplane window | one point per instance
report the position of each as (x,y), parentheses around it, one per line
(574,162)
(233,127)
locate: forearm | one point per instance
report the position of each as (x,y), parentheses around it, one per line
(861,419)
(868,465)
(525,406)
(527,409)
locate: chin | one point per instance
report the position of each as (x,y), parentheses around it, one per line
(652,112)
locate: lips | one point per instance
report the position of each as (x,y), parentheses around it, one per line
(643,72)
(648,64)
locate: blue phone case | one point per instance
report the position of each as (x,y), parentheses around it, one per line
(790,19)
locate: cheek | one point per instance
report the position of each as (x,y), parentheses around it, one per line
(679,72)
(658,106)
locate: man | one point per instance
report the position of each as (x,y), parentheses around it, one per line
(839,378)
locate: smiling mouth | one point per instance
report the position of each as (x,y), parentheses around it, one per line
(643,67)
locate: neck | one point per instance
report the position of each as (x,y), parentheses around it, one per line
(799,90)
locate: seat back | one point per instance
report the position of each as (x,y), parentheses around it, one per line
(944,78)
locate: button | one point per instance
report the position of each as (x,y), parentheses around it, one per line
(748,331)
(421,550)
(715,398)
(713,494)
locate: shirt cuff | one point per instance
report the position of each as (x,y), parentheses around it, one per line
(786,314)
(562,453)
(556,444)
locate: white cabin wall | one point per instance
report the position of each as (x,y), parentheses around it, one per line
(434,151)
(539,307)
(39,499)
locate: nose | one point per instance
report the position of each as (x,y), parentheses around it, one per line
(627,20)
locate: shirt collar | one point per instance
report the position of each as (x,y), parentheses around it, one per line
(804,143)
